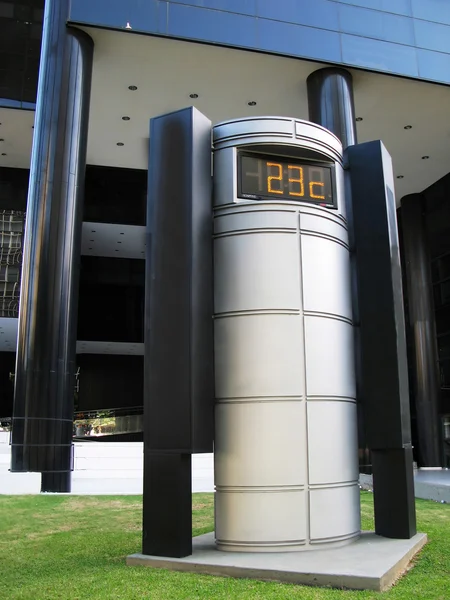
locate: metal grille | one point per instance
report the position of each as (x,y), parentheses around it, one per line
(11,245)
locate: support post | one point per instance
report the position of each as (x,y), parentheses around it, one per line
(178,328)
(423,330)
(44,385)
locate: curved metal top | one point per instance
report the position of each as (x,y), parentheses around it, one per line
(277,130)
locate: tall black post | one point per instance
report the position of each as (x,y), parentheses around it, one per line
(330,102)
(179,344)
(44,383)
(384,369)
(423,330)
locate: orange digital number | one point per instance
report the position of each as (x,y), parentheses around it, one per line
(299,180)
(278,177)
(311,190)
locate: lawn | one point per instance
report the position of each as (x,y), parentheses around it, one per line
(74,548)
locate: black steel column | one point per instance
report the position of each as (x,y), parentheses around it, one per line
(44,384)
(423,330)
(330,102)
(179,342)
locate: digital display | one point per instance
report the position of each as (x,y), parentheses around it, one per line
(262,178)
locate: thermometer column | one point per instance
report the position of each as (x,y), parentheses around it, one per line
(286,468)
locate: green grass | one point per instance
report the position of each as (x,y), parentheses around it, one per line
(74,548)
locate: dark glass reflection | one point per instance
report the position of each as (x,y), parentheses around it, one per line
(20,46)
(115,195)
(111,300)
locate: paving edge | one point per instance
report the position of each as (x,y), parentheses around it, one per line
(375,582)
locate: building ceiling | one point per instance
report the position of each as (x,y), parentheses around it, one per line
(409,116)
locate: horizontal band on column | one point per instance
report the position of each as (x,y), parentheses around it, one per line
(259,399)
(324,315)
(339,484)
(257,231)
(338,538)
(331,399)
(324,236)
(258,311)
(259,489)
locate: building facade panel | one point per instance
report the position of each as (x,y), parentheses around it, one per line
(382,35)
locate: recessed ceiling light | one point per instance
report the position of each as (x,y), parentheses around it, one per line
(407,127)
(120,144)
(251,103)
(2,140)
(133,88)
(358,119)
(193,95)
(400,176)
(125,118)
(425,157)
(4,154)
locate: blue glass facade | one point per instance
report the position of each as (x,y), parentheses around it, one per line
(402,37)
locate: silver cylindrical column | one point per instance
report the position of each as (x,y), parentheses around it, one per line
(286,468)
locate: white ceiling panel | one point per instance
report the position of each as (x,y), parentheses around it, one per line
(167,72)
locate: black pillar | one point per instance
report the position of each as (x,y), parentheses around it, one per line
(423,331)
(44,383)
(179,341)
(330,102)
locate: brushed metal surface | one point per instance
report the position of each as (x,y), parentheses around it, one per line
(259,355)
(329,357)
(285,413)
(253,441)
(329,425)
(256,271)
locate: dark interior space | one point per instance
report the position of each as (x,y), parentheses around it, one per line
(20,46)
(115,195)
(7,366)
(109,382)
(13,188)
(111,300)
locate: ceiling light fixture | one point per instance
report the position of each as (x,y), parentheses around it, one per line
(407,127)
(2,140)
(133,88)
(251,103)
(125,118)
(425,157)
(4,154)
(400,176)
(120,144)
(358,119)
(193,95)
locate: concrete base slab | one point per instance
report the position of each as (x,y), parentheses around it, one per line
(370,563)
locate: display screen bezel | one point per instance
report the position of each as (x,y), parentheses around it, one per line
(282,158)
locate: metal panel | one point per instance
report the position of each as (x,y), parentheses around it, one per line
(325,504)
(329,357)
(326,277)
(243,282)
(259,355)
(255,440)
(332,437)
(261,521)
